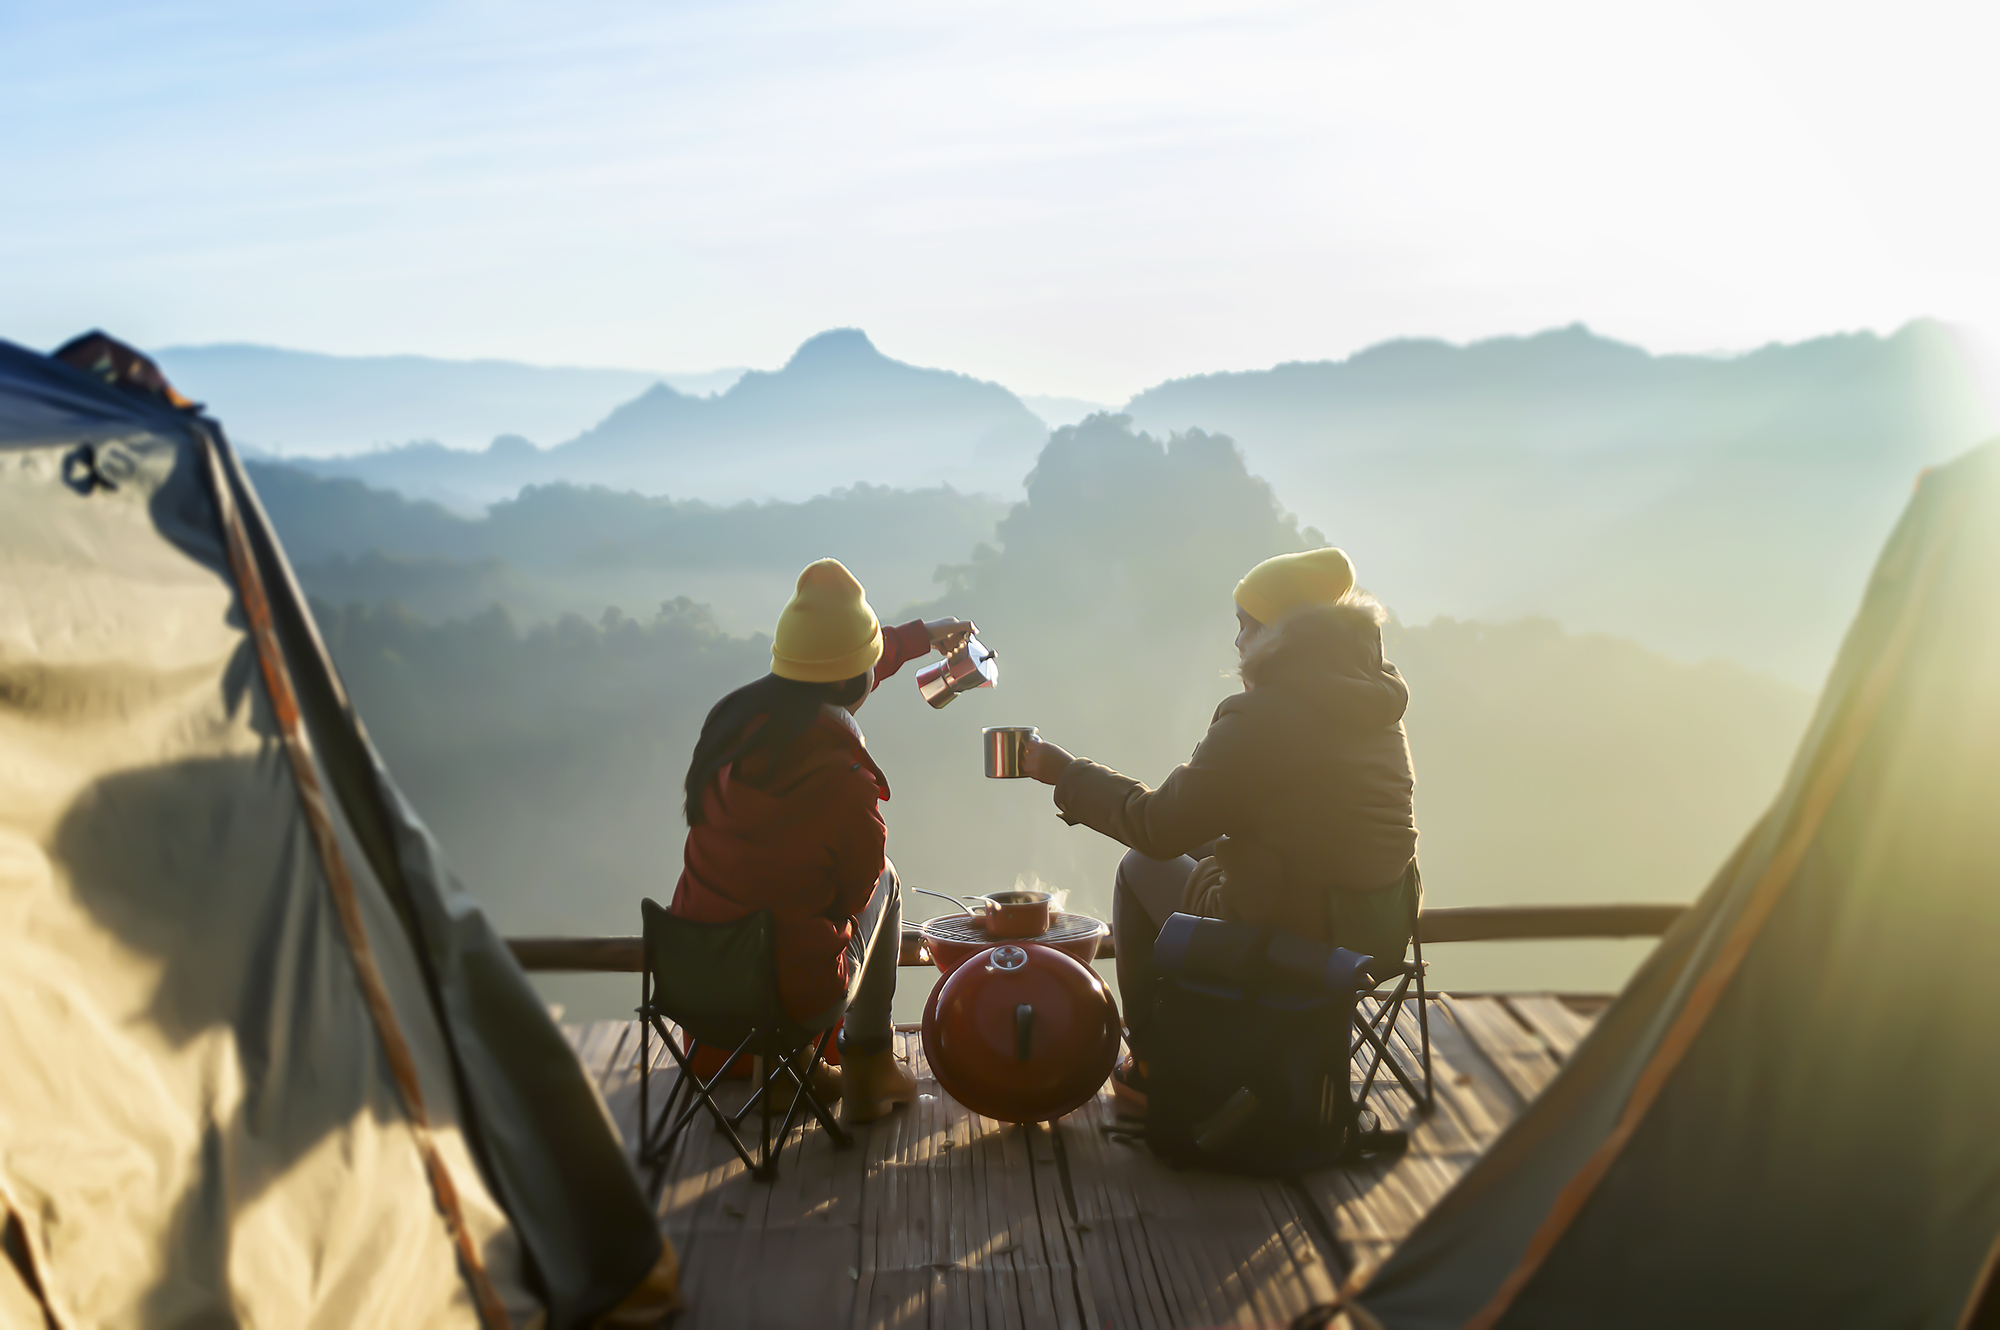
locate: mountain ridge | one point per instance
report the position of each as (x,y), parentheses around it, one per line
(1708,506)
(838,412)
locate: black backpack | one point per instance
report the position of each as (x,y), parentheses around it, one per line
(1249,1068)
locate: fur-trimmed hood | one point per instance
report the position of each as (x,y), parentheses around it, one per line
(1329,657)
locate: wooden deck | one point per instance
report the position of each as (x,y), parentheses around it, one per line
(941,1218)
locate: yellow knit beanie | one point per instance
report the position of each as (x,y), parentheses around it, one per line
(828,632)
(1312,577)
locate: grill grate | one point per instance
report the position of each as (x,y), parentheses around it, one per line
(1063,927)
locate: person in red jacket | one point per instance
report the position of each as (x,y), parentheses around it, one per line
(781,803)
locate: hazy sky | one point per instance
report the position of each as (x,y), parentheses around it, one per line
(1069,198)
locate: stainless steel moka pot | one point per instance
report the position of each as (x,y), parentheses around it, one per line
(967,666)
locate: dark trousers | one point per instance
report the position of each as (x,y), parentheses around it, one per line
(1145,893)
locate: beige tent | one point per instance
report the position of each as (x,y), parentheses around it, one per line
(1791,1115)
(262,1060)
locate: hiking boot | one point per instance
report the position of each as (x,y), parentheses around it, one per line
(825,1082)
(1128,1087)
(872,1085)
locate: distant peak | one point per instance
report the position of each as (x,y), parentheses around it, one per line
(836,346)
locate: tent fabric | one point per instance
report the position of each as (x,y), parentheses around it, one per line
(201,1117)
(1788,1116)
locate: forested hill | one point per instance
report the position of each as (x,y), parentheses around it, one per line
(557,549)
(548,756)
(1707,506)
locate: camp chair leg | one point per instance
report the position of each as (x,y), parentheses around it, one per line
(1424,1037)
(1373,1031)
(841,1139)
(1378,1034)
(763,1169)
(1362,1027)
(760,1077)
(659,1137)
(818,1047)
(675,1111)
(723,977)
(768,1170)
(1396,1063)
(722,1074)
(756,1099)
(1423,1013)
(645,1040)
(701,1094)
(1373,1040)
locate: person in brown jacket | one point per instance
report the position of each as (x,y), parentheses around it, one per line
(1296,808)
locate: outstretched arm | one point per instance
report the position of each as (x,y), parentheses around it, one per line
(916,639)
(1199,800)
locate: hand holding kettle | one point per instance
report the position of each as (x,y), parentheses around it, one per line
(946,634)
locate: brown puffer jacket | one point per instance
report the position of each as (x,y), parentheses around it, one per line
(1306,774)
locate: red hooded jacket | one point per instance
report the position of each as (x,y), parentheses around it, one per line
(802,837)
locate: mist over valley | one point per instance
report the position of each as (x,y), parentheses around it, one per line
(536,670)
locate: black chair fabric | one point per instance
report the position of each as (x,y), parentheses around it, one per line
(718,983)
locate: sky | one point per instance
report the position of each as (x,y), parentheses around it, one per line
(1076,198)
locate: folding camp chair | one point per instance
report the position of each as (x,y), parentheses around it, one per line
(719,984)
(1399,984)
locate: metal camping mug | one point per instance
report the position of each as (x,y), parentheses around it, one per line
(1006,747)
(969,665)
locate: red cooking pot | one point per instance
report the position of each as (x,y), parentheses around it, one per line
(1021,1033)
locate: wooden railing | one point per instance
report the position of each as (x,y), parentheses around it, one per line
(1465,923)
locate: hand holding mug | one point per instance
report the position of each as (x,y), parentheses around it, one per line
(1044,761)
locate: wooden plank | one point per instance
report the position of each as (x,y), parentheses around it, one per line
(1153,1288)
(953,1229)
(1371,1208)
(1473,1101)
(1122,1281)
(1520,1058)
(593,1043)
(1059,1221)
(1468,1081)
(1104,1297)
(621,1060)
(702,1214)
(1017,1295)
(1179,1247)
(811,1235)
(752,1253)
(942,1218)
(1546,1016)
